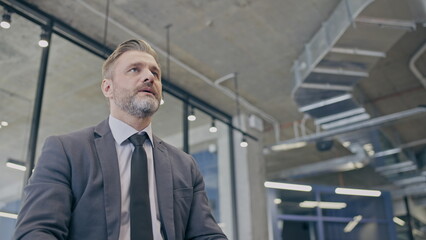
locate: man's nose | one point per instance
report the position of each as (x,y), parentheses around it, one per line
(147,76)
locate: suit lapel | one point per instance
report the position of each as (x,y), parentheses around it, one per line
(164,180)
(105,148)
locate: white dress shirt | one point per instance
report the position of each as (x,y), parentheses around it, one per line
(121,132)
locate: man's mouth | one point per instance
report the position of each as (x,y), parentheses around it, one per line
(147,90)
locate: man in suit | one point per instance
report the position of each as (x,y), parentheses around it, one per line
(81,186)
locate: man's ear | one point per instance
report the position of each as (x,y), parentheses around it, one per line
(106,87)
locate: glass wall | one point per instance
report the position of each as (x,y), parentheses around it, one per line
(321,214)
(167,123)
(73,100)
(72,94)
(209,145)
(19,66)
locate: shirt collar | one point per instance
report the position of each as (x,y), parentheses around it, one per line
(121,131)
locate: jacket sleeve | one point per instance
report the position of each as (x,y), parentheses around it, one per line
(47,200)
(201,223)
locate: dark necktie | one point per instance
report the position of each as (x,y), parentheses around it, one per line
(140,210)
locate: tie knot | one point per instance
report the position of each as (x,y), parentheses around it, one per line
(138,139)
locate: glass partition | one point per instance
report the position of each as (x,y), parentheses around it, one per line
(19,64)
(321,214)
(209,145)
(73,100)
(72,95)
(167,123)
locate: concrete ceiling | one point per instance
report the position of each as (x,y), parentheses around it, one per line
(210,39)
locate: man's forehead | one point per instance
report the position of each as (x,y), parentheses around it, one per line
(136,57)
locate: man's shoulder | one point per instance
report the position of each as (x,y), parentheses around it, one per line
(84,133)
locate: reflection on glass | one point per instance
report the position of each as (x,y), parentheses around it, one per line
(363,230)
(19,64)
(211,151)
(72,97)
(291,200)
(368,207)
(167,122)
(300,230)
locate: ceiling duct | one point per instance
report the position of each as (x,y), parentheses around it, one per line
(325,75)
(340,164)
(354,127)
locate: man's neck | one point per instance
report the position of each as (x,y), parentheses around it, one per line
(135,122)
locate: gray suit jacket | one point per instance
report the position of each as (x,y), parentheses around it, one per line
(74,192)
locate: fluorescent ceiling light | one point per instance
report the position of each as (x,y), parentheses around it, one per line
(8,215)
(358,192)
(326,86)
(340,71)
(399,221)
(325,102)
(346,121)
(15,164)
(356,51)
(288,186)
(288,146)
(341,115)
(352,224)
(324,205)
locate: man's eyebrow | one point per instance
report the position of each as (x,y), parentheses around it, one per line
(138,64)
(156,68)
(135,64)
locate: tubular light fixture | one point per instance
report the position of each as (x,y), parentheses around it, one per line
(352,224)
(346,121)
(399,221)
(6,20)
(15,164)
(323,205)
(358,192)
(9,215)
(325,102)
(43,42)
(213,127)
(288,186)
(243,142)
(288,146)
(191,116)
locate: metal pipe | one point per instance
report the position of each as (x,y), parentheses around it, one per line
(413,67)
(185,127)
(35,123)
(224,78)
(233,182)
(410,227)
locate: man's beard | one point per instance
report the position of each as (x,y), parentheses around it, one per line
(134,105)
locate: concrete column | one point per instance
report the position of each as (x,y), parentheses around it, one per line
(251,194)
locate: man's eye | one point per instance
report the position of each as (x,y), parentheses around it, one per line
(133,70)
